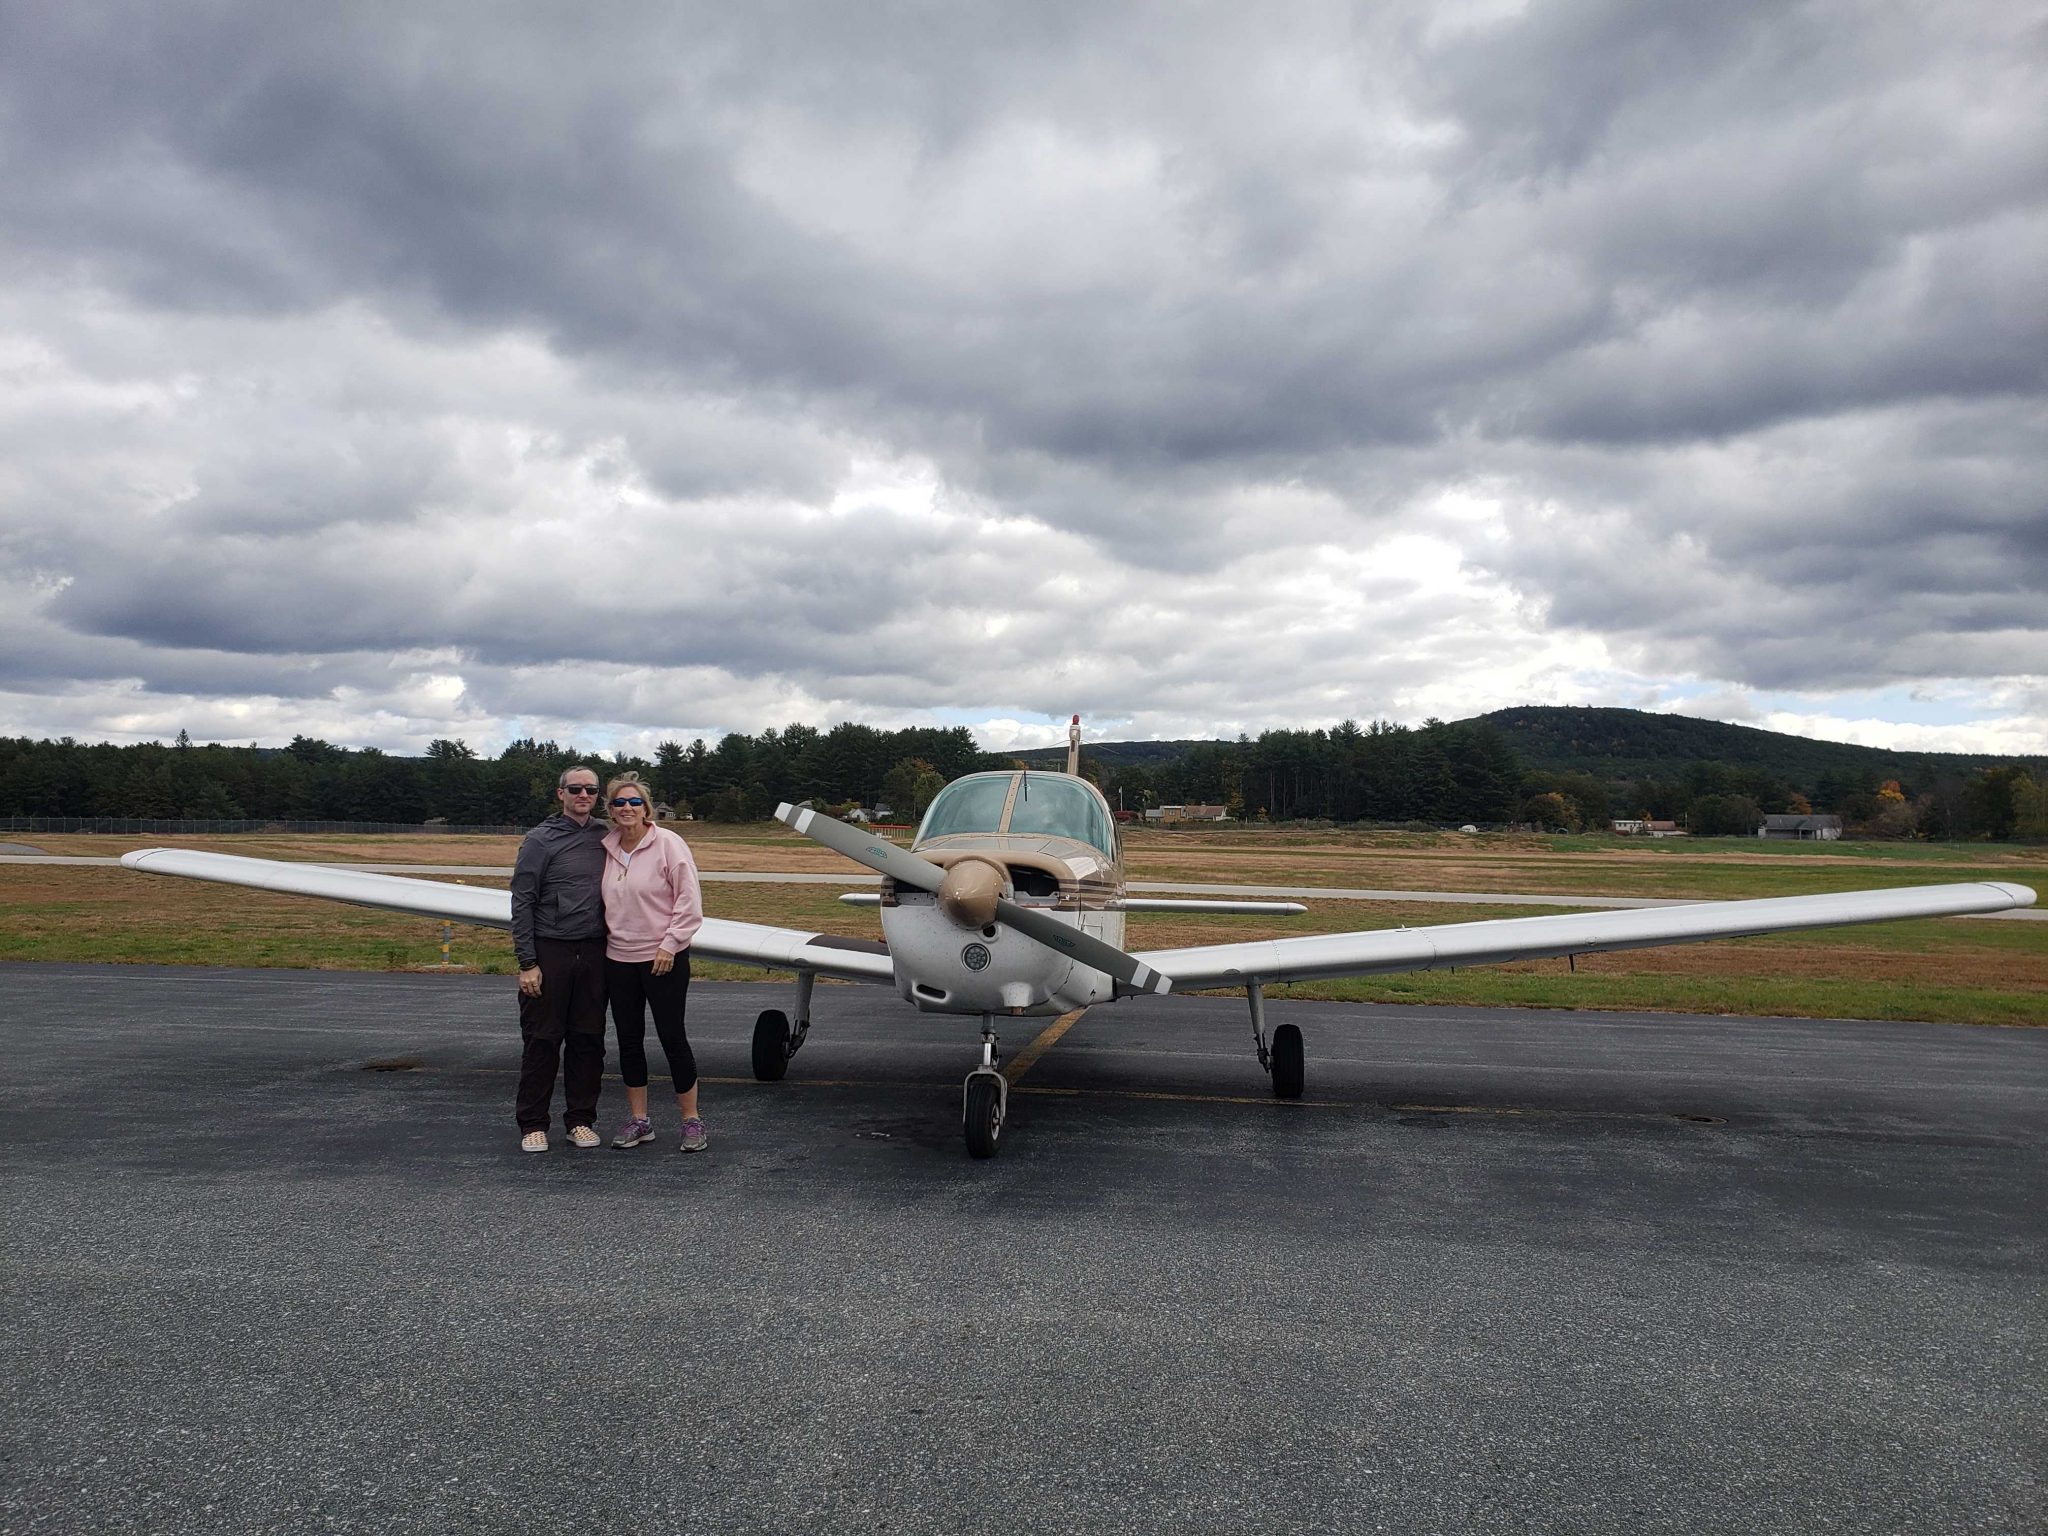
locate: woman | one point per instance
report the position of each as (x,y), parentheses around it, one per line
(652,909)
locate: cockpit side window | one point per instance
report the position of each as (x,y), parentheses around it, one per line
(967,805)
(1056,806)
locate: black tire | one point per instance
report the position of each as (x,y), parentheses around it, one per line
(983,1115)
(771,1046)
(1289,1069)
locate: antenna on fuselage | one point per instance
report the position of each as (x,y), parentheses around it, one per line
(1074,747)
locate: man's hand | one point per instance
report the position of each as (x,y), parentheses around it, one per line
(529,982)
(664,962)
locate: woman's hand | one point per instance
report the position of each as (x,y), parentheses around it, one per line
(664,962)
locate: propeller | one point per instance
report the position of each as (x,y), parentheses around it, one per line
(974,892)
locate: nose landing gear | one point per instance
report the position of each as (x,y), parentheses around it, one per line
(985,1098)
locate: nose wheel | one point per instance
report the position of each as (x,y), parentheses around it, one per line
(985,1100)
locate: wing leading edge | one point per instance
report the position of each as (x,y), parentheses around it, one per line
(718,939)
(1311,956)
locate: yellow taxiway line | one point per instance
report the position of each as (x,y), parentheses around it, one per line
(1048,1037)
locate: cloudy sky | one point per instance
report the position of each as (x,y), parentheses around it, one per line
(385,372)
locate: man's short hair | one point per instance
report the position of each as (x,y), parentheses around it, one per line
(562,778)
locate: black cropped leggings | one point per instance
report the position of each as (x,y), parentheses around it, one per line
(633,988)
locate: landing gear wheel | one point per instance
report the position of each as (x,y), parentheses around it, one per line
(982,1114)
(1288,1069)
(771,1046)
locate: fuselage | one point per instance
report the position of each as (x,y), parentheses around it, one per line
(1055,840)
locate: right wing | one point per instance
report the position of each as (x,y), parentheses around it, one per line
(719,938)
(1313,956)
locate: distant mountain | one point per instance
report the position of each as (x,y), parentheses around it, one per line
(1617,744)
(1627,744)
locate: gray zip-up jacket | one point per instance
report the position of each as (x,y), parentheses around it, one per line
(558,885)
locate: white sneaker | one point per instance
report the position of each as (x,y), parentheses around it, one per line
(584,1136)
(534,1141)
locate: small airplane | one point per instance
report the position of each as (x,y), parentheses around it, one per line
(1010,903)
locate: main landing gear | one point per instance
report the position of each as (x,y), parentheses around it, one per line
(775,1041)
(985,1099)
(1283,1058)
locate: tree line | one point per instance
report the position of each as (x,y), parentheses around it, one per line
(1471,771)
(739,779)
(1436,774)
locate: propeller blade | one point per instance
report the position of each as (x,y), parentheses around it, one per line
(905,868)
(877,853)
(1084,947)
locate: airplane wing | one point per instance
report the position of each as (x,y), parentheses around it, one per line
(1265,961)
(718,939)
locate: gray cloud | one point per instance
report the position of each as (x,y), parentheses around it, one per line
(1191,365)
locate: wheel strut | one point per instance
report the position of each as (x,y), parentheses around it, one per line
(985,1097)
(1283,1057)
(801,1026)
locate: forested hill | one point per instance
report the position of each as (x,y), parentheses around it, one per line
(1626,744)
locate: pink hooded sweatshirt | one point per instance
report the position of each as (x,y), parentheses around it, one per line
(651,897)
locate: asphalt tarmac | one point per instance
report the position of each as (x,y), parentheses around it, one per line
(273,1263)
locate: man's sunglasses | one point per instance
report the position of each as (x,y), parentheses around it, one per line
(627,800)
(580,789)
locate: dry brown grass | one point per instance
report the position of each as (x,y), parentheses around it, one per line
(1955,968)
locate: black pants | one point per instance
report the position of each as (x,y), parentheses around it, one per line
(563,1027)
(634,987)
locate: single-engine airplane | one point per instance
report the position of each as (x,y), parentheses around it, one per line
(1010,903)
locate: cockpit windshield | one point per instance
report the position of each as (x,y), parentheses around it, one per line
(967,805)
(1047,805)
(1053,805)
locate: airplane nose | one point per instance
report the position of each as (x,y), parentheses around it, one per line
(970,890)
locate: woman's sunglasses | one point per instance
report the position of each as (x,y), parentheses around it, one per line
(627,800)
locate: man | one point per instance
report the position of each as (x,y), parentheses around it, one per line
(558,937)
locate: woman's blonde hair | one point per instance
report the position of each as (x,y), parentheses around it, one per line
(629,780)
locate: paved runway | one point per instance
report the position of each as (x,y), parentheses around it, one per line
(272,1263)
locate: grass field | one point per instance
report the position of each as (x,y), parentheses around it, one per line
(1953,970)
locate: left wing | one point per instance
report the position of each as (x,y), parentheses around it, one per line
(1264,961)
(718,939)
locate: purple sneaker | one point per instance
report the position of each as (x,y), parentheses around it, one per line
(634,1132)
(694,1137)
